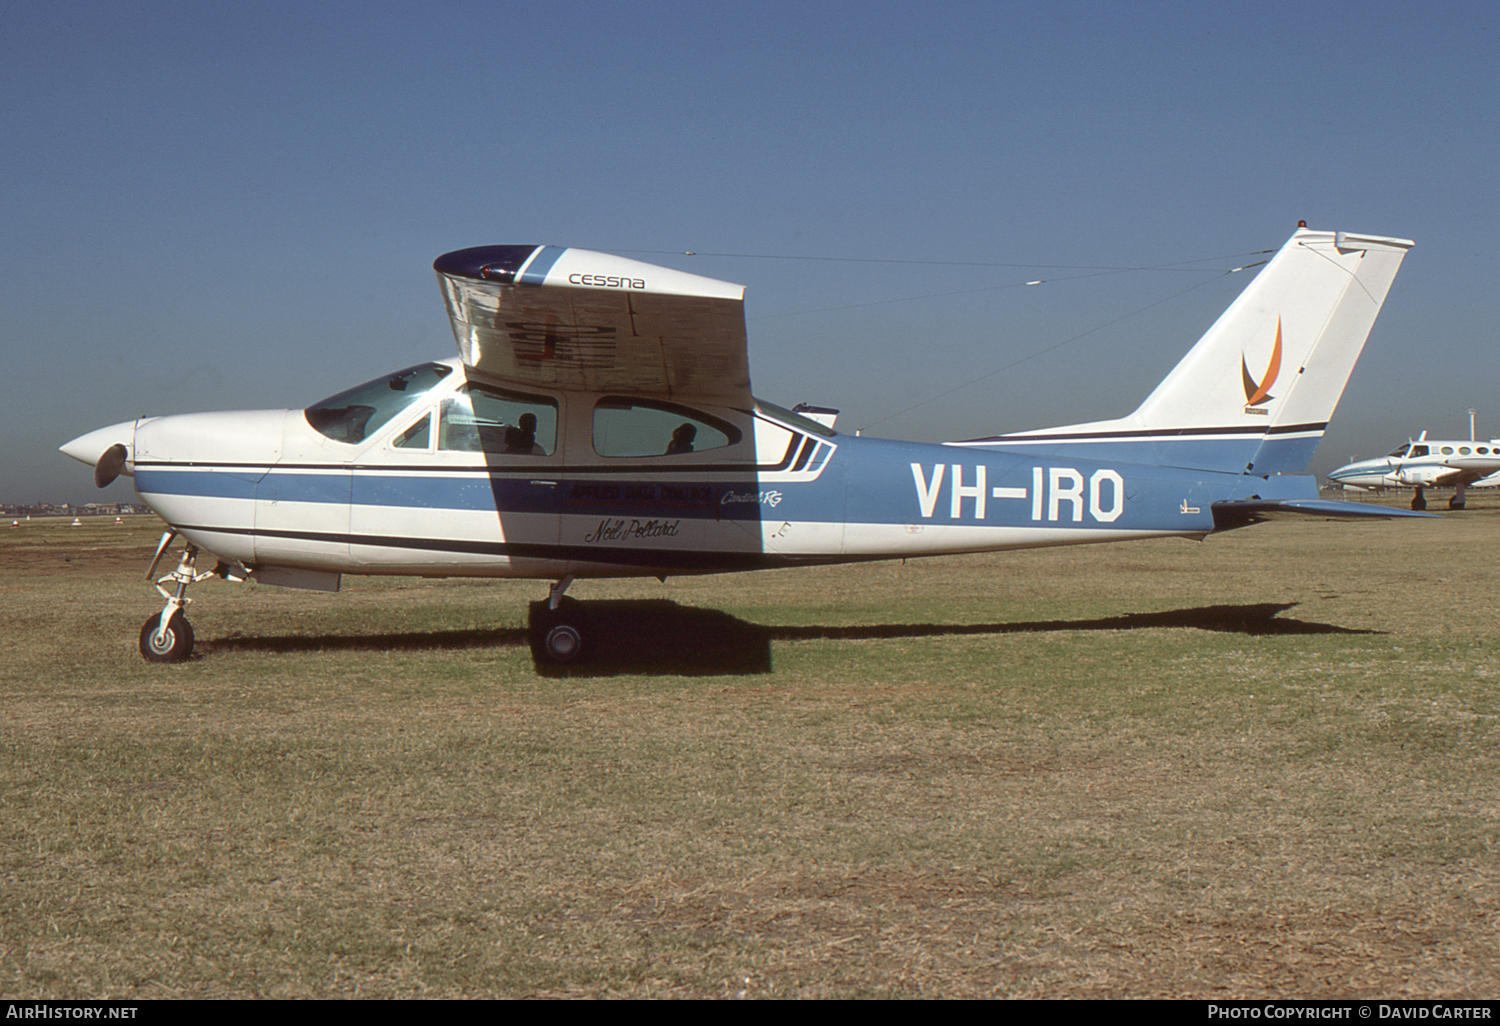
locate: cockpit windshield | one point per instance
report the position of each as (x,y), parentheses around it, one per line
(355,414)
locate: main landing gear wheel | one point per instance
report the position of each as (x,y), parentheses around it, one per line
(563,643)
(170,646)
(558,628)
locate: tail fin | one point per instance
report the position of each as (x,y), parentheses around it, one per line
(1257,390)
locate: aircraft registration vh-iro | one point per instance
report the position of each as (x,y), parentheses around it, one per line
(599,423)
(1420,464)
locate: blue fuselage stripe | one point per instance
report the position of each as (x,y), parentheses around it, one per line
(216,484)
(717,500)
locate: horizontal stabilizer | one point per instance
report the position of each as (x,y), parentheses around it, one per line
(1244,512)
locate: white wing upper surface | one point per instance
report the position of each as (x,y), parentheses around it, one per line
(575,319)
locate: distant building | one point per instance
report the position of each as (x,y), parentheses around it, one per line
(63,509)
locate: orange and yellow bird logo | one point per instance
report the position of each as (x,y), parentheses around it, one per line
(1258,393)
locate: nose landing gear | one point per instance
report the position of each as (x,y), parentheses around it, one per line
(167,637)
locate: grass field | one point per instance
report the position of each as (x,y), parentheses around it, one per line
(1260,766)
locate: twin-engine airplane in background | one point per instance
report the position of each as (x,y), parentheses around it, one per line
(599,423)
(1423,464)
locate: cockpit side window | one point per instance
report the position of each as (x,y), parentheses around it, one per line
(1419,450)
(642,427)
(418,436)
(481,418)
(355,414)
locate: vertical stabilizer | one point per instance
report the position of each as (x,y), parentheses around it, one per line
(1257,390)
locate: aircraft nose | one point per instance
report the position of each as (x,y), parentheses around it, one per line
(108,450)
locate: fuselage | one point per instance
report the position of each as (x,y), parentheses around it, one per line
(440,471)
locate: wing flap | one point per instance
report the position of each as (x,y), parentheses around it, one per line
(574,319)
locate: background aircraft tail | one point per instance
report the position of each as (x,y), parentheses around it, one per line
(1257,390)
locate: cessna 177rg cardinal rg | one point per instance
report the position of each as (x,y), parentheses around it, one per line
(599,423)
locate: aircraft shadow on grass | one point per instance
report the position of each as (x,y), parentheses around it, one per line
(658,636)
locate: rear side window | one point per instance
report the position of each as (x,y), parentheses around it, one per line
(639,427)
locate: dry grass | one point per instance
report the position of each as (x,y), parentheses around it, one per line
(1263,766)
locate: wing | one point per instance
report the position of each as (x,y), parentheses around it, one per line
(1465,472)
(575,319)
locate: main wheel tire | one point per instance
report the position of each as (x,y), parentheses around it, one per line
(175,646)
(563,643)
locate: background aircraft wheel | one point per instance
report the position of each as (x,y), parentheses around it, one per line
(175,646)
(563,643)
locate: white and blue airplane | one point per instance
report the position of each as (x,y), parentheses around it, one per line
(1420,463)
(598,422)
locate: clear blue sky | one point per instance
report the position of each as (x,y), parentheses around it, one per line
(236,205)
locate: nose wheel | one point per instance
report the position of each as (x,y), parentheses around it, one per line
(170,644)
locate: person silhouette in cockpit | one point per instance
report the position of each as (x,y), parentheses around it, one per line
(682,440)
(521,439)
